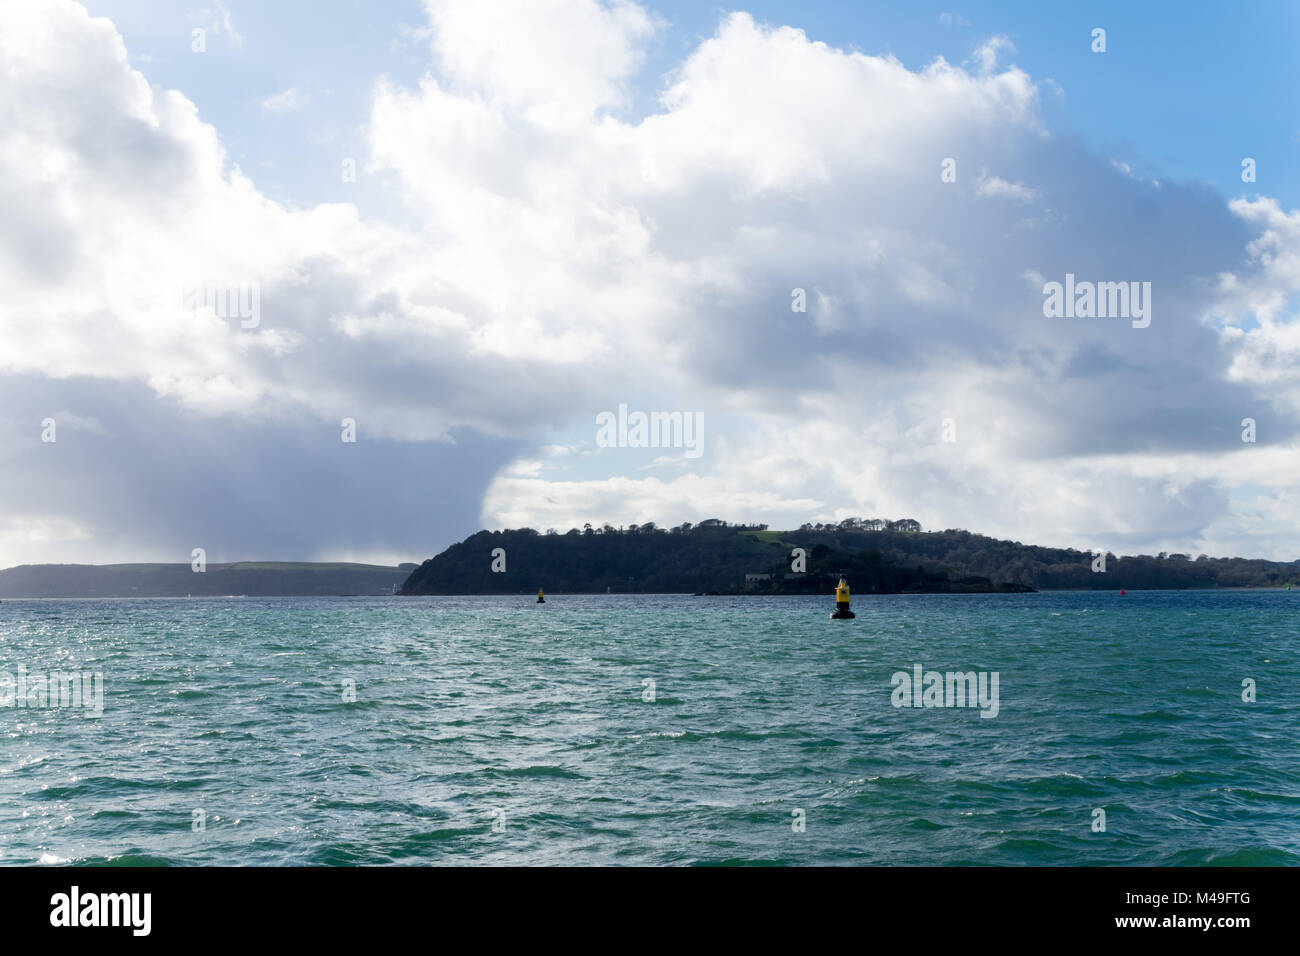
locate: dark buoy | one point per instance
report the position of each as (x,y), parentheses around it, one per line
(541,598)
(842,612)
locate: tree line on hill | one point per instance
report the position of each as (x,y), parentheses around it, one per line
(879,556)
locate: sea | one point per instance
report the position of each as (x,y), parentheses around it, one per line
(1057,728)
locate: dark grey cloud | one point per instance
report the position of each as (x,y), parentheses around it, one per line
(159,481)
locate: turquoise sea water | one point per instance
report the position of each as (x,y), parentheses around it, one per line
(494,730)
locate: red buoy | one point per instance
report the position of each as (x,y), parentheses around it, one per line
(1122,592)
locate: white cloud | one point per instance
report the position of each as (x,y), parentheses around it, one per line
(553,60)
(217,19)
(44,537)
(564,257)
(286,101)
(987,53)
(993,186)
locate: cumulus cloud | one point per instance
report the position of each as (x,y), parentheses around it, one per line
(126,216)
(563,256)
(554,61)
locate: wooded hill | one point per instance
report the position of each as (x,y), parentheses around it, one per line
(879,557)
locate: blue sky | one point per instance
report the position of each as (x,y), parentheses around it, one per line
(1183,92)
(564,206)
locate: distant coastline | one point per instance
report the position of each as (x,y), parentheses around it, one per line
(242,578)
(709,558)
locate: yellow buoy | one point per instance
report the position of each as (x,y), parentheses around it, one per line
(541,599)
(842,611)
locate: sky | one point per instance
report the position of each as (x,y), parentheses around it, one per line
(350,281)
